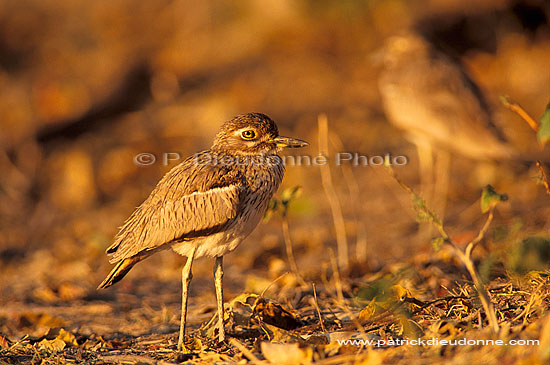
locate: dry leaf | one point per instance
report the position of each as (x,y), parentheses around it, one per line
(544,352)
(399,293)
(54,345)
(276,334)
(248,310)
(4,342)
(369,311)
(317,339)
(384,302)
(276,315)
(373,358)
(330,349)
(63,335)
(445,328)
(282,354)
(238,312)
(194,346)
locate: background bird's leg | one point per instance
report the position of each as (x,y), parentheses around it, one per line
(426,167)
(441,188)
(186,276)
(218,276)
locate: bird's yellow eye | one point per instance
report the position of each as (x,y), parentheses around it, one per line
(249,134)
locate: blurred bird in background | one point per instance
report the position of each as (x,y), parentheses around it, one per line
(431,98)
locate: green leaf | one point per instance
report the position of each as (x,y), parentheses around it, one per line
(287,196)
(424,214)
(290,194)
(281,205)
(420,206)
(272,207)
(437,243)
(543,135)
(490,198)
(418,202)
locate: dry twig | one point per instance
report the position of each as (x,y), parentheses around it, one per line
(516,108)
(544,178)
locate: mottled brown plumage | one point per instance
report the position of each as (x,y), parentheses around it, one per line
(431,97)
(208,204)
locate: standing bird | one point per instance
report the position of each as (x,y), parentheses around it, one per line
(430,97)
(206,205)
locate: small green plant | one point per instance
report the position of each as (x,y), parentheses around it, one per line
(542,129)
(543,134)
(489,199)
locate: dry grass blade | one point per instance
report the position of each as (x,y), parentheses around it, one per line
(246,352)
(316,304)
(272,283)
(354,192)
(337,279)
(290,251)
(330,192)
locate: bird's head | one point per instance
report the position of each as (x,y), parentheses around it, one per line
(252,134)
(401,49)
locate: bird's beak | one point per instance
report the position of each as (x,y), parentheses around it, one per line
(289,142)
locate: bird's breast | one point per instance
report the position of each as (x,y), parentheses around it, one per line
(262,181)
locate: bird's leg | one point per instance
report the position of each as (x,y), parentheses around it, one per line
(426,165)
(218,276)
(186,276)
(441,186)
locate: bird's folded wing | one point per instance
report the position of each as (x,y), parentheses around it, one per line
(159,221)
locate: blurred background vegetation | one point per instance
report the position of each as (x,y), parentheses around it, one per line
(87,85)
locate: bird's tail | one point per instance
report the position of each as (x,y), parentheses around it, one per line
(120,270)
